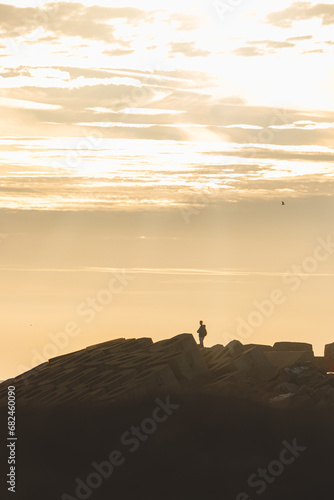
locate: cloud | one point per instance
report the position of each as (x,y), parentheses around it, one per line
(273,44)
(60,174)
(262,47)
(19,103)
(190,79)
(186,22)
(113,94)
(123,101)
(248,51)
(285,136)
(166,80)
(77,72)
(305,125)
(291,153)
(163,271)
(64,19)
(233,100)
(243,126)
(302,11)
(150,111)
(115,124)
(15,72)
(76,90)
(299,38)
(118,52)
(48,73)
(201,182)
(315,51)
(188,49)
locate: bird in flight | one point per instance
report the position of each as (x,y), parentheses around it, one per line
(283,203)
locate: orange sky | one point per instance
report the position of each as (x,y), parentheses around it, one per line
(145,153)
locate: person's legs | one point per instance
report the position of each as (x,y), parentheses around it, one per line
(201,341)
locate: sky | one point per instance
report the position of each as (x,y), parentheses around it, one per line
(145,152)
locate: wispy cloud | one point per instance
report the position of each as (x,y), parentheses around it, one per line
(301,11)
(150,111)
(188,49)
(20,104)
(65,19)
(164,271)
(201,101)
(53,177)
(304,125)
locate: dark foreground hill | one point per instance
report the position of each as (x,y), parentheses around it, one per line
(135,420)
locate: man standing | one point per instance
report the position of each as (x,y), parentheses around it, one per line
(201,333)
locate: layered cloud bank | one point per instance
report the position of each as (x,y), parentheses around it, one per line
(230,101)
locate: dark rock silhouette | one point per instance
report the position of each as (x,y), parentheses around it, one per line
(233,407)
(121,371)
(329,357)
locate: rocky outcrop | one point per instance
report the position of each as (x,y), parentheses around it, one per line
(124,370)
(292,346)
(303,385)
(280,359)
(118,370)
(227,413)
(329,356)
(237,364)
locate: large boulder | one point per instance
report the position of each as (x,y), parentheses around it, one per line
(329,357)
(255,363)
(292,346)
(235,347)
(240,364)
(264,347)
(280,359)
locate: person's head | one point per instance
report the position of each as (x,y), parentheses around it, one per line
(201,322)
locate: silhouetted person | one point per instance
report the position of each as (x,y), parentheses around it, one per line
(201,333)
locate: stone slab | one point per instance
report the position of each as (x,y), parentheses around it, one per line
(281,359)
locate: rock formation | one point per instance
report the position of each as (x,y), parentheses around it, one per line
(125,370)
(235,409)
